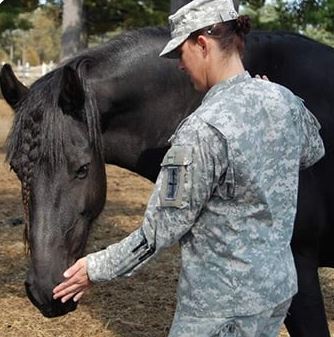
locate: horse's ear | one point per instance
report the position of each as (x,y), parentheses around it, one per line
(12,89)
(72,96)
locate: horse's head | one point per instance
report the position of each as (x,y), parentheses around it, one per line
(55,149)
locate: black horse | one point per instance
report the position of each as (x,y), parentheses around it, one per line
(119,104)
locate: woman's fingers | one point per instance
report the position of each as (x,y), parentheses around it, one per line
(78,296)
(76,282)
(263,77)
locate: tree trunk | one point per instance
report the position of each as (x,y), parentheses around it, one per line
(72,40)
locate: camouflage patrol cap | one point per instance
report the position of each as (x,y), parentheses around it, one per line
(196,15)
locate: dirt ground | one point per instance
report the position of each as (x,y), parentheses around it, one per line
(139,306)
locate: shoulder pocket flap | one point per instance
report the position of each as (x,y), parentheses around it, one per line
(178,156)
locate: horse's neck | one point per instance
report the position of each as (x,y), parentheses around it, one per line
(136,132)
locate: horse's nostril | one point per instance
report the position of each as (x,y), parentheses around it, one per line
(32,297)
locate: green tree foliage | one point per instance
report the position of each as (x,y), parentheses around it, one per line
(36,41)
(103,16)
(10,11)
(10,20)
(314,18)
(318,13)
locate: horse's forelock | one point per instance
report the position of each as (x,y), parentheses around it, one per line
(36,117)
(39,122)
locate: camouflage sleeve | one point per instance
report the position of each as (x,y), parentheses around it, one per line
(312,145)
(190,171)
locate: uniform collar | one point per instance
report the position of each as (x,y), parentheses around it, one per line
(225,84)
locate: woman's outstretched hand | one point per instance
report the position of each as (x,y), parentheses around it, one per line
(75,284)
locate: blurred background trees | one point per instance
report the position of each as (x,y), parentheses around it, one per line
(29,32)
(313,18)
(37,31)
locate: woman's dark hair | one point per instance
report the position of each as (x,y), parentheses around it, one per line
(230,34)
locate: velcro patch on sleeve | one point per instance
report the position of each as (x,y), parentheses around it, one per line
(174,170)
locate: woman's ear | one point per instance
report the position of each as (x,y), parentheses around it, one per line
(203,43)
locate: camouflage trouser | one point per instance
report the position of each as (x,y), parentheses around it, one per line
(265,324)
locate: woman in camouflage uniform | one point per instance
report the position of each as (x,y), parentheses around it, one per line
(227,190)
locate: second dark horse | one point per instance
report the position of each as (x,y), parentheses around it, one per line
(119,104)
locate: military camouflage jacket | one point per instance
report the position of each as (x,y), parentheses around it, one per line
(227,191)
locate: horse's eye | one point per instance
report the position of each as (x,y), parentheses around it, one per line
(82,172)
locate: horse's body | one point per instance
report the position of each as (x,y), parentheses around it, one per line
(140,99)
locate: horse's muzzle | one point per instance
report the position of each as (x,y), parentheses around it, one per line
(47,305)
